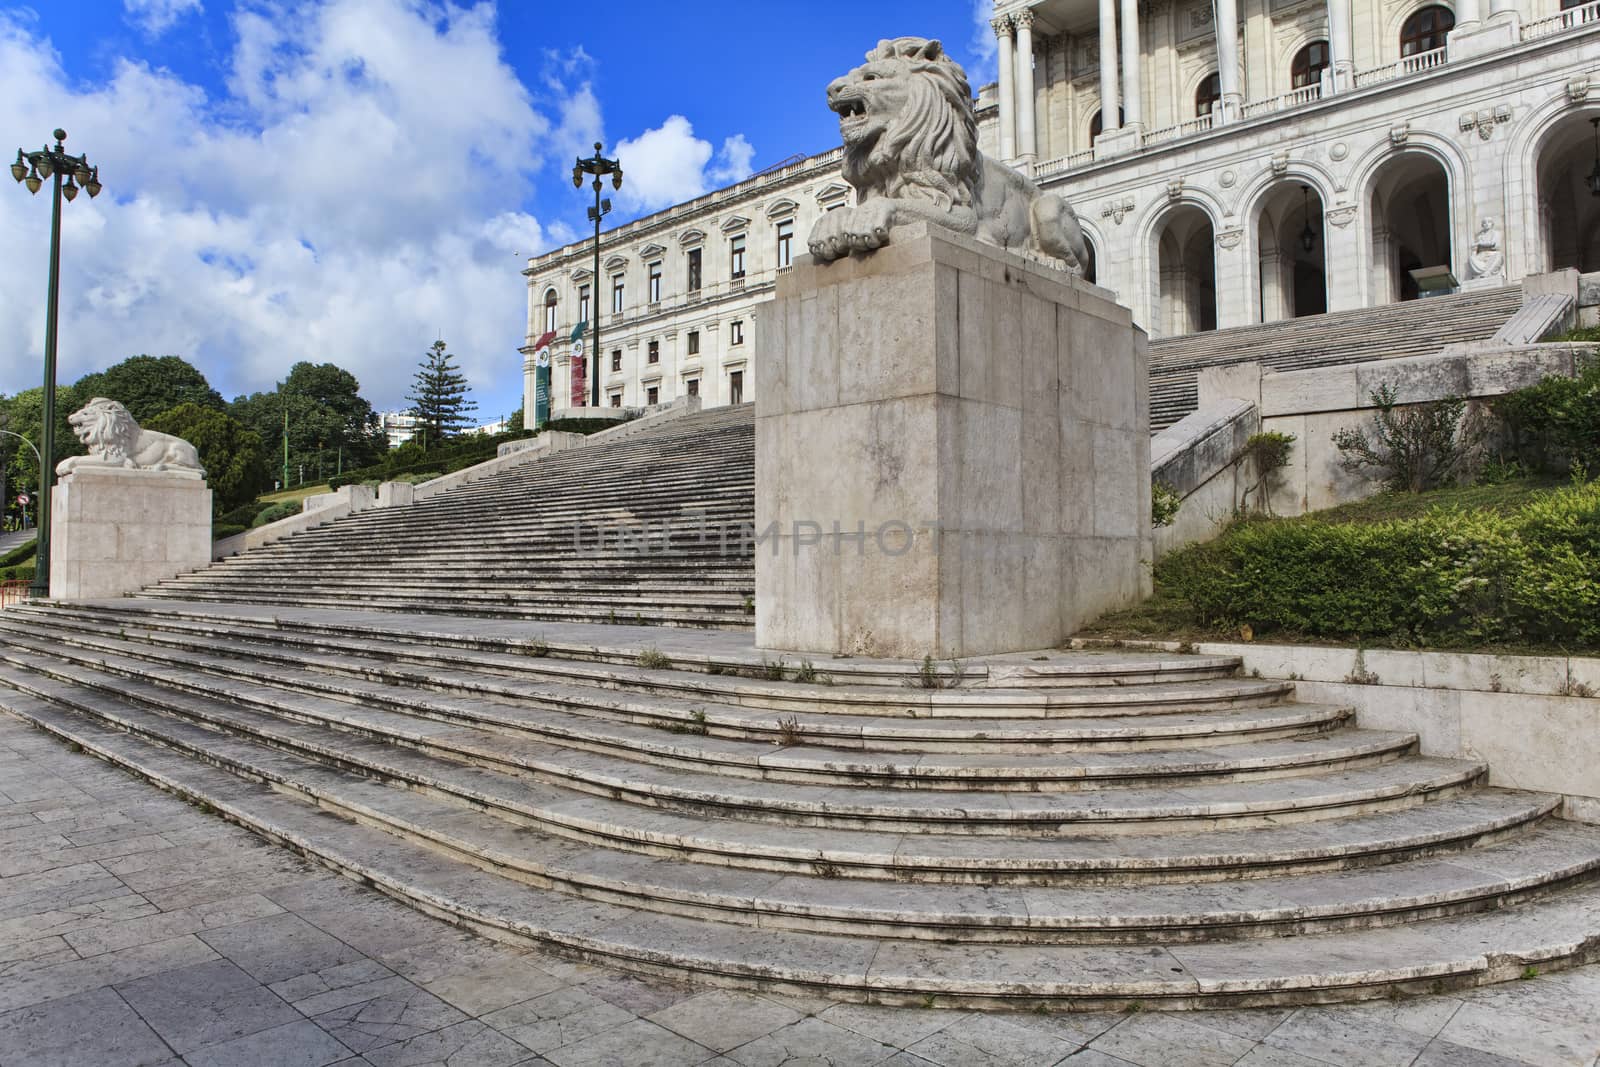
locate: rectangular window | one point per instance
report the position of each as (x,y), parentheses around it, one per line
(616,399)
(694,270)
(583,303)
(785,243)
(653,352)
(736,387)
(550,312)
(736,332)
(694,342)
(616,360)
(736,256)
(616,292)
(655,282)
(652,394)
(694,386)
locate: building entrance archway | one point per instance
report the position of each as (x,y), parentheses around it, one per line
(1569,212)
(1291,254)
(1186,264)
(1410,197)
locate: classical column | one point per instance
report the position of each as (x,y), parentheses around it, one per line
(1109,106)
(1468,11)
(1228,56)
(1027,99)
(1341,47)
(1132,109)
(1008,89)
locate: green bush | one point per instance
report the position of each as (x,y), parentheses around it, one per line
(1413,447)
(275,512)
(1164,504)
(16,574)
(411,459)
(226,529)
(1554,426)
(20,554)
(1447,576)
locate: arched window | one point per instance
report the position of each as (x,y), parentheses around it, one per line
(1207,96)
(549,310)
(1308,65)
(1426,30)
(1095,125)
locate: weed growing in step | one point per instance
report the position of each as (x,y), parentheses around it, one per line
(928,1001)
(1255,672)
(716,668)
(1495,685)
(1530,971)
(1571,687)
(73,746)
(1294,676)
(789,731)
(806,672)
(771,672)
(1359,675)
(538,647)
(825,869)
(1186,648)
(749,605)
(927,675)
(653,659)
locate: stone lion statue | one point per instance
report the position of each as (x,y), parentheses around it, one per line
(911,152)
(115,440)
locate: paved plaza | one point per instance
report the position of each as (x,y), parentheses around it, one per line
(135,929)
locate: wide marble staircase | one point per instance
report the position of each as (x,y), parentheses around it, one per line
(1412,328)
(1056,830)
(651,528)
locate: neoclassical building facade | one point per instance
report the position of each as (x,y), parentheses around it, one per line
(1323,155)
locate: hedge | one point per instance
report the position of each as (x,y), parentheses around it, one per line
(1447,576)
(453,456)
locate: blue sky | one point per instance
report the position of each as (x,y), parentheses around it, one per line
(348,180)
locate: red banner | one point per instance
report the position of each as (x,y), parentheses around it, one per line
(580,382)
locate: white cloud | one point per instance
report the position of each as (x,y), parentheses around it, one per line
(156,16)
(352,195)
(669,164)
(983,68)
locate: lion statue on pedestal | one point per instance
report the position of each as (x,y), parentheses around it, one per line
(911,153)
(114,439)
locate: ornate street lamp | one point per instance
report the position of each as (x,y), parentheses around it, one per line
(33,169)
(599,166)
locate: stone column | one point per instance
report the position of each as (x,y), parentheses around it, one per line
(1272,295)
(1468,12)
(952,453)
(1110,105)
(1132,81)
(1341,46)
(1476,36)
(1008,89)
(1027,98)
(1228,57)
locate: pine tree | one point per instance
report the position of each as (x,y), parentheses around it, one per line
(439,397)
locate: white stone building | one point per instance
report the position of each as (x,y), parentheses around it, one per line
(1328,154)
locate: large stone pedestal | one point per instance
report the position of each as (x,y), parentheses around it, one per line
(952,454)
(114,531)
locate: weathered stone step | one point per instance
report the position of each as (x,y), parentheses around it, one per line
(566,713)
(1562,929)
(1080,857)
(482,592)
(403,748)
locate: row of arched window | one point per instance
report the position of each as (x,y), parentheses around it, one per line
(1425,30)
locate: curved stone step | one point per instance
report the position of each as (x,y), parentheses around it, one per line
(1442,953)
(1027,754)
(403,749)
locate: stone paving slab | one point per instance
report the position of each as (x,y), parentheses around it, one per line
(213,949)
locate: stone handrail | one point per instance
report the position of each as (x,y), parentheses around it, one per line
(1416,64)
(1561,21)
(1297,98)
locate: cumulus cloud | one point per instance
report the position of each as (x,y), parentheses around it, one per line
(156,16)
(353,194)
(983,68)
(669,164)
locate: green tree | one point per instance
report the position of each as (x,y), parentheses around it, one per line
(439,397)
(237,467)
(331,427)
(148,386)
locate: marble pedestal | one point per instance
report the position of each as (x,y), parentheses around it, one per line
(114,531)
(952,454)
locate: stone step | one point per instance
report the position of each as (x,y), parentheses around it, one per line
(519,647)
(1560,929)
(976,720)
(404,748)
(970,758)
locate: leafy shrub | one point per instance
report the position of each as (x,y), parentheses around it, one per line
(219,530)
(17,574)
(275,512)
(20,554)
(1164,504)
(1414,448)
(1269,451)
(1554,426)
(1446,576)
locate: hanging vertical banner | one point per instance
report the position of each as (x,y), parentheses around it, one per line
(540,415)
(580,368)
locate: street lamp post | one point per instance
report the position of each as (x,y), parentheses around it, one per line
(599,166)
(33,169)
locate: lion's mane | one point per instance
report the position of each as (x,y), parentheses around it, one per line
(930,151)
(110,432)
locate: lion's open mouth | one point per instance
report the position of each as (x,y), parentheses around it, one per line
(850,107)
